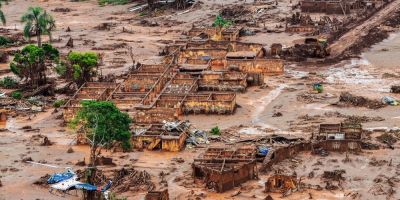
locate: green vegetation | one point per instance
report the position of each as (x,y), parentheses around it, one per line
(8,82)
(37,22)
(83,66)
(5,41)
(16,95)
(215,131)
(30,64)
(2,16)
(61,69)
(103,123)
(220,22)
(113,2)
(58,103)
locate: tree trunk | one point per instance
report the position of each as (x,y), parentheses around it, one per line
(39,39)
(50,37)
(151,4)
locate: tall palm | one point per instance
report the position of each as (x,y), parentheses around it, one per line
(37,20)
(2,16)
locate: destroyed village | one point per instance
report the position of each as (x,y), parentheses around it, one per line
(199,99)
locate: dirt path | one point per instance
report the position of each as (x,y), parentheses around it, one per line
(351,37)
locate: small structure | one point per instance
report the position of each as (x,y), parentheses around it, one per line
(280,183)
(342,131)
(160,137)
(157,195)
(222,169)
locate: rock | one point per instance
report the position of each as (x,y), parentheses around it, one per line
(104,161)
(27,159)
(81,163)
(70,150)
(277,114)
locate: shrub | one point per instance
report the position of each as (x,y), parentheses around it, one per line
(113,2)
(8,82)
(61,69)
(58,103)
(16,95)
(4,41)
(215,131)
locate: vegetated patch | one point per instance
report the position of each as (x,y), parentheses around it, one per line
(8,82)
(114,2)
(5,41)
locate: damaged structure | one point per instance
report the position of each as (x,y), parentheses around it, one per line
(196,77)
(222,169)
(330,6)
(279,183)
(342,137)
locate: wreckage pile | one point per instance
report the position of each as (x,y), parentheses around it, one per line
(359,101)
(395,89)
(124,179)
(131,180)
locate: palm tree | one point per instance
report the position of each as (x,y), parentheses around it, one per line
(38,21)
(2,17)
(50,26)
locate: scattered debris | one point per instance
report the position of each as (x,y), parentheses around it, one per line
(40,140)
(359,101)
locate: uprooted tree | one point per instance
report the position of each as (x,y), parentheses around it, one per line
(31,64)
(37,22)
(79,67)
(103,124)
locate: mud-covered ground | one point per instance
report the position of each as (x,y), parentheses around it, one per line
(290,94)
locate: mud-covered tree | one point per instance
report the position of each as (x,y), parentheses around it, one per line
(31,63)
(2,16)
(103,124)
(37,22)
(220,23)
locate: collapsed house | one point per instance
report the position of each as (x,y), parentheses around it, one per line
(279,183)
(339,6)
(330,138)
(157,195)
(330,6)
(222,169)
(170,136)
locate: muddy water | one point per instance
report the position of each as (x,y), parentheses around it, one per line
(386,54)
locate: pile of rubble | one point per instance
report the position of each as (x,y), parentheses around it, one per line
(359,101)
(129,179)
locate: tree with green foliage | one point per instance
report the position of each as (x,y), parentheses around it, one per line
(38,22)
(82,66)
(221,23)
(30,64)
(2,16)
(103,124)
